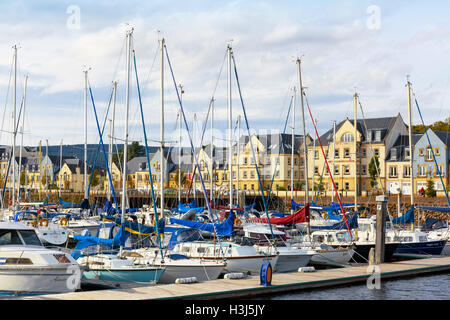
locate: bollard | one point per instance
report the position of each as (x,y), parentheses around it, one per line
(381,229)
(265,275)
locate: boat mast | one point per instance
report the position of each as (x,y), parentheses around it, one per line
(292,149)
(194,121)
(179,144)
(125,146)
(85,134)
(111,138)
(411,153)
(356,151)
(212,155)
(161,179)
(305,150)
(314,170)
(60,165)
(14,130)
(334,156)
(21,139)
(230,125)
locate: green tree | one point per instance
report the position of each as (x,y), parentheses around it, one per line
(438,125)
(134,150)
(373,165)
(95,178)
(430,191)
(183,178)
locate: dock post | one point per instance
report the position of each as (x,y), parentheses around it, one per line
(381,228)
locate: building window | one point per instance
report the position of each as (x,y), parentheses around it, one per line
(364,186)
(393,171)
(295,161)
(406,171)
(438,170)
(245,174)
(289,161)
(316,154)
(364,170)
(378,135)
(252,174)
(253,187)
(437,152)
(363,152)
(316,170)
(336,170)
(377,152)
(421,152)
(336,153)
(245,160)
(346,169)
(422,171)
(346,153)
(347,186)
(347,137)
(429,154)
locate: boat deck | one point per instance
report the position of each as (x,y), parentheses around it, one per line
(250,286)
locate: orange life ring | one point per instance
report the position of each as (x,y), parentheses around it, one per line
(63,221)
(42,221)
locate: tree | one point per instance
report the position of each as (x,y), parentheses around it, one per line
(95,178)
(373,165)
(438,126)
(183,178)
(430,191)
(134,150)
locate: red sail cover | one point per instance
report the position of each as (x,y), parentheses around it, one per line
(300,216)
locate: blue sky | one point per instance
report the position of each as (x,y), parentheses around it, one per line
(343,46)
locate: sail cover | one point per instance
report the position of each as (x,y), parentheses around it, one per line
(408,217)
(223,229)
(438,209)
(298,217)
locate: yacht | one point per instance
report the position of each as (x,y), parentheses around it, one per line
(27,267)
(239,256)
(273,242)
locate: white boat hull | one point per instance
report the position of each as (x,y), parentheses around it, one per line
(333,256)
(201,272)
(38,280)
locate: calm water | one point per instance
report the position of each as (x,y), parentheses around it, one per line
(434,287)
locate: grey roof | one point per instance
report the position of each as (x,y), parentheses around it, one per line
(277,143)
(444,136)
(373,124)
(136,164)
(400,146)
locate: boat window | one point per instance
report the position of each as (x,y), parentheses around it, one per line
(343,237)
(330,238)
(423,238)
(318,238)
(30,237)
(18,261)
(201,250)
(407,239)
(9,237)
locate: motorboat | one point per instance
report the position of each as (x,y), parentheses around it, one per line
(27,267)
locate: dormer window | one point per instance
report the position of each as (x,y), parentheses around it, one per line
(347,137)
(393,154)
(378,135)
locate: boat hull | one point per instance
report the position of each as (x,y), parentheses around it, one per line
(291,262)
(201,272)
(426,248)
(123,275)
(361,252)
(38,280)
(336,256)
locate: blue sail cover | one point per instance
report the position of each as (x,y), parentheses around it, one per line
(110,210)
(86,241)
(185,208)
(438,209)
(223,229)
(183,235)
(352,220)
(83,204)
(408,217)
(136,228)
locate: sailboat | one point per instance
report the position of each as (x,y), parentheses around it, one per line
(114,267)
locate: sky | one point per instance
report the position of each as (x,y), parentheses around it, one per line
(367,46)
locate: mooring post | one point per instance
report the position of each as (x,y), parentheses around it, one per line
(381,228)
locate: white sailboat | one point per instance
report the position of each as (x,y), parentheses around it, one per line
(115,267)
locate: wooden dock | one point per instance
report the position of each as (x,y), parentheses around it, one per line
(250,287)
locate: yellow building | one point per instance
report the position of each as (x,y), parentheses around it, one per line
(374,139)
